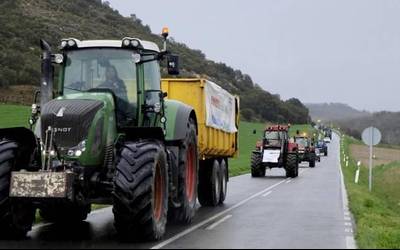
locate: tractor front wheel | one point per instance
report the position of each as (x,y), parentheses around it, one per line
(16,218)
(141,191)
(257,170)
(292,166)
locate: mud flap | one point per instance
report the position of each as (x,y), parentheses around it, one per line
(42,185)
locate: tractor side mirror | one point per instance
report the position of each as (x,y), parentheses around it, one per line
(254,132)
(173,65)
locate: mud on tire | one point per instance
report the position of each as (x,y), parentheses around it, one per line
(141,191)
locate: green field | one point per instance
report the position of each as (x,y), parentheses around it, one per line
(377,214)
(14,116)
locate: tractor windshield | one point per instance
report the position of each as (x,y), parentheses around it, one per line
(110,69)
(302,141)
(272,135)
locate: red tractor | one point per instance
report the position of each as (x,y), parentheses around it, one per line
(275,150)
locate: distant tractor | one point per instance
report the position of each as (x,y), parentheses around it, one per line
(275,151)
(105,133)
(306,150)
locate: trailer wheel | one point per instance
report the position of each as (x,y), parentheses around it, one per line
(188,177)
(224,181)
(141,191)
(257,170)
(292,166)
(16,218)
(210,184)
(65,213)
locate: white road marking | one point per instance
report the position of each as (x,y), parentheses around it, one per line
(348,230)
(289,181)
(266,194)
(205,222)
(216,224)
(348,224)
(347,218)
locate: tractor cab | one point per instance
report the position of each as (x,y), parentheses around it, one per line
(275,137)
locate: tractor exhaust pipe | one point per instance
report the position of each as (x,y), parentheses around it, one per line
(46,84)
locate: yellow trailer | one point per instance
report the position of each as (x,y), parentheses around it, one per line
(217,113)
(213,142)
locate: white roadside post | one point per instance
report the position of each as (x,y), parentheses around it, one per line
(358,172)
(372,137)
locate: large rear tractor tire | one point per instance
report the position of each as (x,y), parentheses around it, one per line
(16,218)
(257,170)
(188,176)
(141,191)
(292,166)
(210,184)
(65,213)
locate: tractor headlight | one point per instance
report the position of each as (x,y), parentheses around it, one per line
(132,43)
(126,42)
(78,150)
(71,43)
(64,44)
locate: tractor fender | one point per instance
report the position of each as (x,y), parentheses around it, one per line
(26,140)
(178,114)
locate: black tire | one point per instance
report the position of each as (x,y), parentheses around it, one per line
(16,218)
(224,181)
(257,170)
(292,166)
(210,184)
(188,177)
(141,191)
(326,153)
(65,213)
(312,162)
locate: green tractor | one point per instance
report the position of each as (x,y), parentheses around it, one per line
(102,134)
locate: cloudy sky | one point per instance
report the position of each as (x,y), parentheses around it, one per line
(317,50)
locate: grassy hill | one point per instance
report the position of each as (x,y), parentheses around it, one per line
(334,111)
(24,22)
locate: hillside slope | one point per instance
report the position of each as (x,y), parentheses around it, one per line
(24,22)
(387,122)
(334,112)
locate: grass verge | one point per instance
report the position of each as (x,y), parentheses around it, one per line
(377,214)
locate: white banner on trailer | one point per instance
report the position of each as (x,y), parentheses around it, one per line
(220,108)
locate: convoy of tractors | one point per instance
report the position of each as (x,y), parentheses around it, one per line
(111,131)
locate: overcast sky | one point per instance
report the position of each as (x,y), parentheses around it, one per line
(316,50)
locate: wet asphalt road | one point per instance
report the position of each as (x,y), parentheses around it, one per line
(272,212)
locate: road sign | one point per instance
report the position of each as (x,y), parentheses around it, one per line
(372,136)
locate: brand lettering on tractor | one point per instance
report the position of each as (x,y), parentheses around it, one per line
(62,130)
